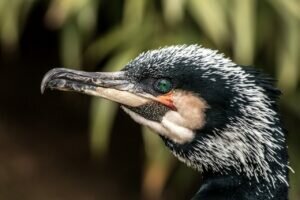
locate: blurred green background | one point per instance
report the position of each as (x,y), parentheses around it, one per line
(70,146)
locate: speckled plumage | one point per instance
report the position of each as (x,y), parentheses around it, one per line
(251,142)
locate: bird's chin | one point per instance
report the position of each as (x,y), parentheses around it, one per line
(166,128)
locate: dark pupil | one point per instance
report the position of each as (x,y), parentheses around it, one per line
(164,85)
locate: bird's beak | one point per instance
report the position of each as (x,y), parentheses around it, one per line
(110,85)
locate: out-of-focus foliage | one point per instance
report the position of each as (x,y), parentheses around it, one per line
(13,16)
(263,33)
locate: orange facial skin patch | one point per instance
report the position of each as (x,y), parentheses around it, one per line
(167,100)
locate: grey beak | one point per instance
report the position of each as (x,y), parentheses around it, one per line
(110,85)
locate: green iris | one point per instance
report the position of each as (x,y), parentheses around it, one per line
(163,85)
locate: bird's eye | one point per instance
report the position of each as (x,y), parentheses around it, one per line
(163,85)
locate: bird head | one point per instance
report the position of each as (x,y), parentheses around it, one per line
(213,114)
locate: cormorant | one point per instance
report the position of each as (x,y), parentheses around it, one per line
(214,115)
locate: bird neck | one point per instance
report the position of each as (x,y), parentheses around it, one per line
(239,180)
(231,184)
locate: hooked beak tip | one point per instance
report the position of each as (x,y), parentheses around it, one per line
(42,90)
(44,83)
(49,76)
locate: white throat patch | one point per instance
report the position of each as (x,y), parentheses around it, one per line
(174,132)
